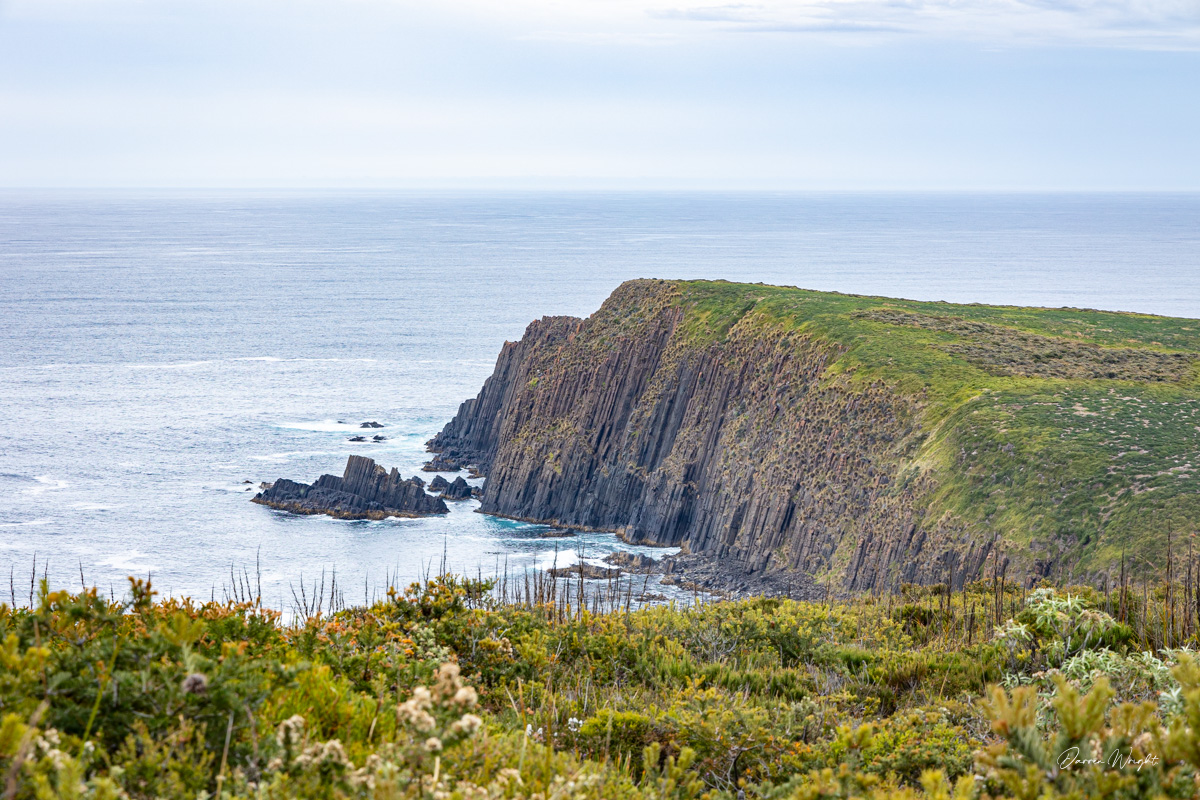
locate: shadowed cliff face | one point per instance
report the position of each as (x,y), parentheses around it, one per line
(756,436)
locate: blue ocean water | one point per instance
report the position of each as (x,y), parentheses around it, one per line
(158,350)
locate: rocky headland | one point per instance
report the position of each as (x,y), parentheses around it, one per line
(816,442)
(364,491)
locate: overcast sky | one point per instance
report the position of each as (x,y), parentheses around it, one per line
(818,94)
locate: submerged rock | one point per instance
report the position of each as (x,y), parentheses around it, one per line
(357,439)
(557,533)
(365,491)
(378,438)
(371,424)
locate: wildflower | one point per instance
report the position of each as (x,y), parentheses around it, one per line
(574,724)
(433,744)
(196,683)
(507,776)
(290,731)
(465,697)
(467,725)
(447,684)
(415,710)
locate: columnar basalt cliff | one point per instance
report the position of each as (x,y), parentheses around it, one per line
(364,491)
(865,441)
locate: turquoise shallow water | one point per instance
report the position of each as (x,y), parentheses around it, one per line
(157,350)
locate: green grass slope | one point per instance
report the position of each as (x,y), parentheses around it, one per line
(1063,432)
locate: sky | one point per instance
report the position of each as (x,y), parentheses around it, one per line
(972,95)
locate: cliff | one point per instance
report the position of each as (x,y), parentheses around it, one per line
(866,441)
(364,491)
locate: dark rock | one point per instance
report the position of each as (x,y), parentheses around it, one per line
(458,490)
(438,484)
(357,439)
(477,492)
(728,578)
(365,491)
(586,571)
(443,462)
(634,562)
(378,438)
(371,424)
(557,533)
(247,481)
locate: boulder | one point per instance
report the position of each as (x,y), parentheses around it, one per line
(371,424)
(458,490)
(442,462)
(633,562)
(582,570)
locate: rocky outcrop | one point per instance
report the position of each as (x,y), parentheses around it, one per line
(459,489)
(364,491)
(444,462)
(756,427)
(438,484)
(584,571)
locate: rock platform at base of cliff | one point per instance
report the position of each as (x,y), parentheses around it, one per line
(702,573)
(364,491)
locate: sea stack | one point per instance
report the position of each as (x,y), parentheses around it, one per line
(364,491)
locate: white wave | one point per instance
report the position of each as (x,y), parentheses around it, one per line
(127,562)
(281,457)
(237,487)
(548,559)
(311,360)
(24,524)
(323,426)
(46,484)
(92,507)
(180,365)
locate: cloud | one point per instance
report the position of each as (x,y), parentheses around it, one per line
(1122,23)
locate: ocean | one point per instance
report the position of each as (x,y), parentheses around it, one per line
(159,350)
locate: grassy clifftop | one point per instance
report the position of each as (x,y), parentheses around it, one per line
(1056,430)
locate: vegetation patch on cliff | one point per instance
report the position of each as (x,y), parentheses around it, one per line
(1055,430)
